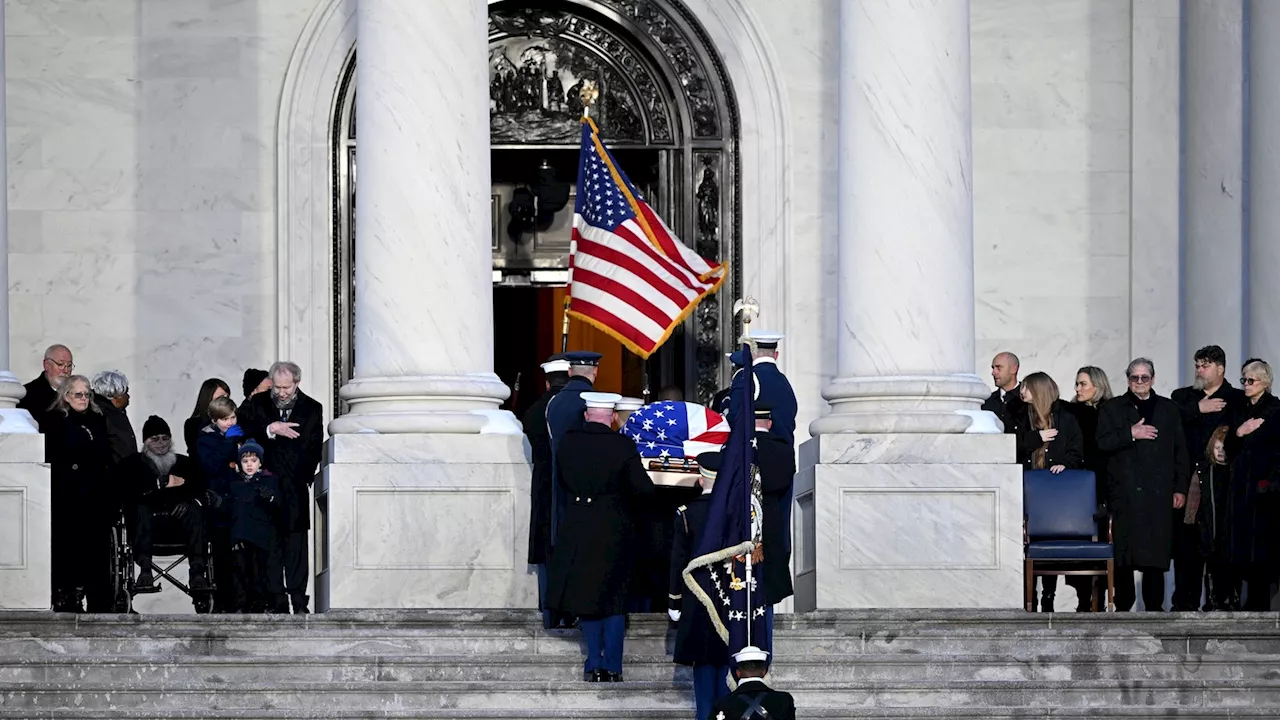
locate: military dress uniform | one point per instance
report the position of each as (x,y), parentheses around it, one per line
(753,700)
(564,415)
(556,371)
(773,389)
(602,477)
(720,401)
(697,644)
(777,464)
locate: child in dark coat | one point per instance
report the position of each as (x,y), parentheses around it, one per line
(255,523)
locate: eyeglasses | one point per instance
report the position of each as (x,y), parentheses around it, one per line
(1140,379)
(1249,381)
(68,366)
(80,395)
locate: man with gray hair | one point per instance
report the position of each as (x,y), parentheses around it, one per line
(290,427)
(111,394)
(43,391)
(1148,473)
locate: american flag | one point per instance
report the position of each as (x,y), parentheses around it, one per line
(676,429)
(629,275)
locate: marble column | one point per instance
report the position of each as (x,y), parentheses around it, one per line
(1214,140)
(1264,181)
(424,498)
(423,270)
(902,499)
(25,492)
(905,334)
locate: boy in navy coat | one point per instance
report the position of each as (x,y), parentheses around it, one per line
(255,525)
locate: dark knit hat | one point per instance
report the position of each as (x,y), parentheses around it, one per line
(252,378)
(155,425)
(250,446)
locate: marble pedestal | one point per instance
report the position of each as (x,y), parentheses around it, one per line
(908,521)
(25,498)
(423,521)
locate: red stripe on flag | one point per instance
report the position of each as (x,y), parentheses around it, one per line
(611,321)
(663,239)
(596,250)
(686,278)
(623,293)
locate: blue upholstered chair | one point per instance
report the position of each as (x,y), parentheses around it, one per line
(1060,530)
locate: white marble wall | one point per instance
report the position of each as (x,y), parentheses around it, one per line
(141,183)
(1051,125)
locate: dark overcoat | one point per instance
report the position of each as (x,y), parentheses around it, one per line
(80,472)
(1009,407)
(776,391)
(39,402)
(1199,426)
(145,485)
(564,415)
(777,464)
(120,435)
(1065,449)
(1143,476)
(1253,523)
(779,705)
(294,461)
(697,642)
(602,477)
(535,428)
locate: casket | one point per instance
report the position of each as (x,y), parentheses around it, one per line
(671,434)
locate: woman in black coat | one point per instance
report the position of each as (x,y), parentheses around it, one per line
(1092,390)
(209,390)
(1253,447)
(84,504)
(1048,438)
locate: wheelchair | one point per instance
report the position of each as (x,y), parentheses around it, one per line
(123,569)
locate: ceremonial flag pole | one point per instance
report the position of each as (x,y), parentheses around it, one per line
(589,94)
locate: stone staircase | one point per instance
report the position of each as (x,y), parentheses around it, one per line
(501,664)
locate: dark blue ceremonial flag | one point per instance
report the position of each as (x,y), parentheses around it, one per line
(717,574)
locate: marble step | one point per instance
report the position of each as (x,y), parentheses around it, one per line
(792,671)
(500,698)
(534,713)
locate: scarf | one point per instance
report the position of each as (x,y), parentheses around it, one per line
(1146,408)
(285,407)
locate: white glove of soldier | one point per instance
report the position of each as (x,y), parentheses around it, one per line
(674,615)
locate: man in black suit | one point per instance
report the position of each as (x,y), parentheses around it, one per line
(1006,401)
(556,372)
(602,478)
(42,391)
(1209,402)
(290,426)
(753,700)
(777,464)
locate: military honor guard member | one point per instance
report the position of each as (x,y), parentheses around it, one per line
(777,464)
(753,700)
(626,406)
(697,643)
(556,373)
(601,475)
(564,415)
(774,388)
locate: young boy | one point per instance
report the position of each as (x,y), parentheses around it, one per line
(216,450)
(255,521)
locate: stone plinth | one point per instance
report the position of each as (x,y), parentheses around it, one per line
(908,521)
(25,502)
(423,521)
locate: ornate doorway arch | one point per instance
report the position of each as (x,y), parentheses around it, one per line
(663,89)
(664,41)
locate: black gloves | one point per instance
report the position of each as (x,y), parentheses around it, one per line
(213,499)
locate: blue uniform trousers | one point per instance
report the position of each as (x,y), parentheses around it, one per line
(604,642)
(710,683)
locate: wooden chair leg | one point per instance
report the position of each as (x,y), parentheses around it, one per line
(1111,586)
(1029,586)
(1093,593)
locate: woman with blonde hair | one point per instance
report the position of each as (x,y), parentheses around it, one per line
(1092,390)
(1253,447)
(1048,438)
(84,506)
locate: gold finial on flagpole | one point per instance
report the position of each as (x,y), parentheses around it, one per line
(589,94)
(750,310)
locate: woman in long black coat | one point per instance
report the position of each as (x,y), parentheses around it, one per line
(1145,476)
(85,505)
(1253,447)
(1093,388)
(1048,438)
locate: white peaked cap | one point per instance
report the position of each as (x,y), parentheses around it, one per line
(554,366)
(601,400)
(751,653)
(629,404)
(763,337)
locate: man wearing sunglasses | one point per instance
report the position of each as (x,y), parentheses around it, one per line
(1207,403)
(42,391)
(1148,473)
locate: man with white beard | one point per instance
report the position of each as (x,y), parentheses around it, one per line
(165,497)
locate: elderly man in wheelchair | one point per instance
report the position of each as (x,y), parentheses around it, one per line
(164,512)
